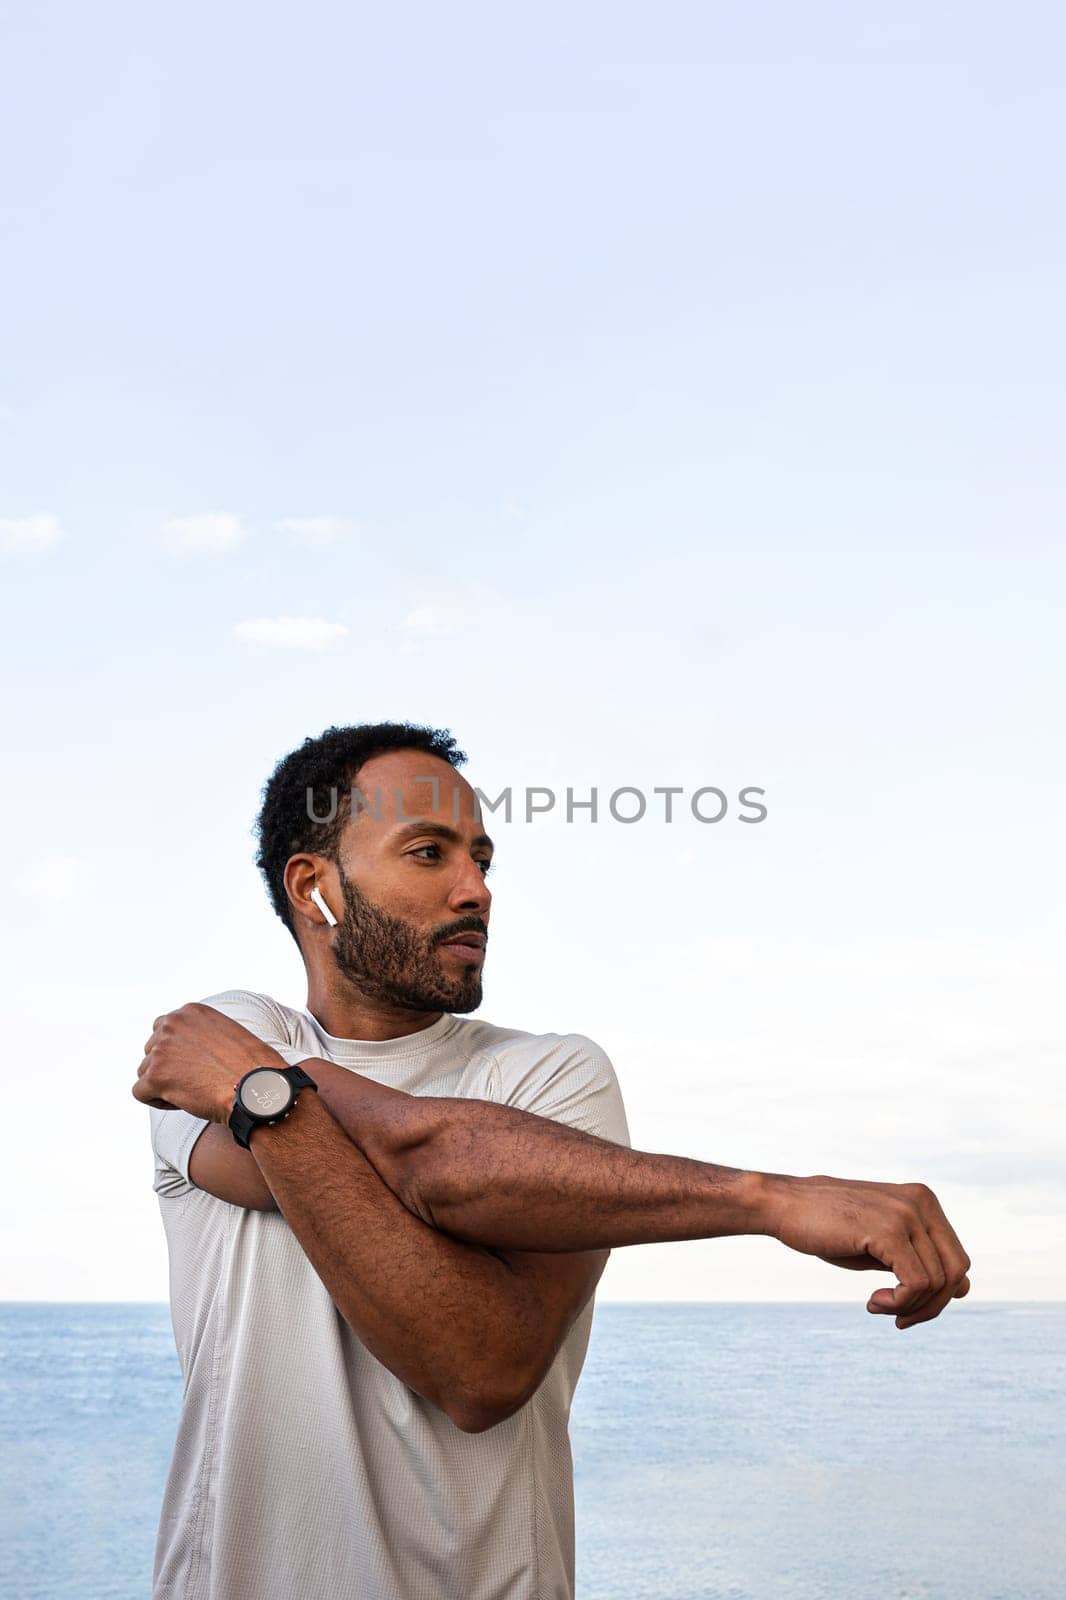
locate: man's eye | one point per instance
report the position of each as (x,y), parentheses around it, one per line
(419,850)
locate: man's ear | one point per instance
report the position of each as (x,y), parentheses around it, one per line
(314,892)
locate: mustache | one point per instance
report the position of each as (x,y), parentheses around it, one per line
(469,925)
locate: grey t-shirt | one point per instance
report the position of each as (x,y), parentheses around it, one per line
(303,1468)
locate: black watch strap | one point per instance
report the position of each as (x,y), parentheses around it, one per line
(300,1079)
(242,1122)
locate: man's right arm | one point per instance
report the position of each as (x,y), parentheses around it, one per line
(474,1167)
(506,1179)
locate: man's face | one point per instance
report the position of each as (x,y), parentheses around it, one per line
(413,881)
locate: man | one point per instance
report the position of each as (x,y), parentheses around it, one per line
(382,1301)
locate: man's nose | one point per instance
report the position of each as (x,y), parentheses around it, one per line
(470,892)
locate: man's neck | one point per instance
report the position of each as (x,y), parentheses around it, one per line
(352,1016)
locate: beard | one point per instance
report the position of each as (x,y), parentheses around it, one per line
(389,961)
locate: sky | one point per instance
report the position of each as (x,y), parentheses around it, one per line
(652,396)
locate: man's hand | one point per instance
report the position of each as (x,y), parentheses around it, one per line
(894,1227)
(193,1060)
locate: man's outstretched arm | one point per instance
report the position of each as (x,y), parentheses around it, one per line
(512,1181)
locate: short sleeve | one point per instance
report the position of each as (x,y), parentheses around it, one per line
(174,1133)
(570,1079)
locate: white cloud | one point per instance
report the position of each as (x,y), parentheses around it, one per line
(52,881)
(431,621)
(28,535)
(449,611)
(291,633)
(425,622)
(317,530)
(211,530)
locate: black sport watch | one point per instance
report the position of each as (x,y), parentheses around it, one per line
(264,1096)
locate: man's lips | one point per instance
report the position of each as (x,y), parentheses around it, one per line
(467,946)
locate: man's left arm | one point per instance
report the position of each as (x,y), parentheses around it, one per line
(472,1329)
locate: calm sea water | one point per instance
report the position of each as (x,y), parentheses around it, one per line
(721,1452)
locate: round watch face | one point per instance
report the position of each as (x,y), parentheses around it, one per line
(265,1092)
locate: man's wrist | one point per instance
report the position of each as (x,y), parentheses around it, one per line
(261,1133)
(266,1057)
(223,1110)
(767,1193)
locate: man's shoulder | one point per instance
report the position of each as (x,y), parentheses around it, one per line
(565,1076)
(476,1034)
(256,1012)
(174,1132)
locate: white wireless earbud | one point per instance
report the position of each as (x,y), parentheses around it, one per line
(316,896)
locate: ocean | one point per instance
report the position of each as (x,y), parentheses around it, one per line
(721,1452)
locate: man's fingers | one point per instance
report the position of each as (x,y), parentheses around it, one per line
(956,1261)
(917,1266)
(141,1091)
(932,1308)
(934,1265)
(960,1291)
(142,1088)
(900,1257)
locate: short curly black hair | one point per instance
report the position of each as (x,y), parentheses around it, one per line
(330,763)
